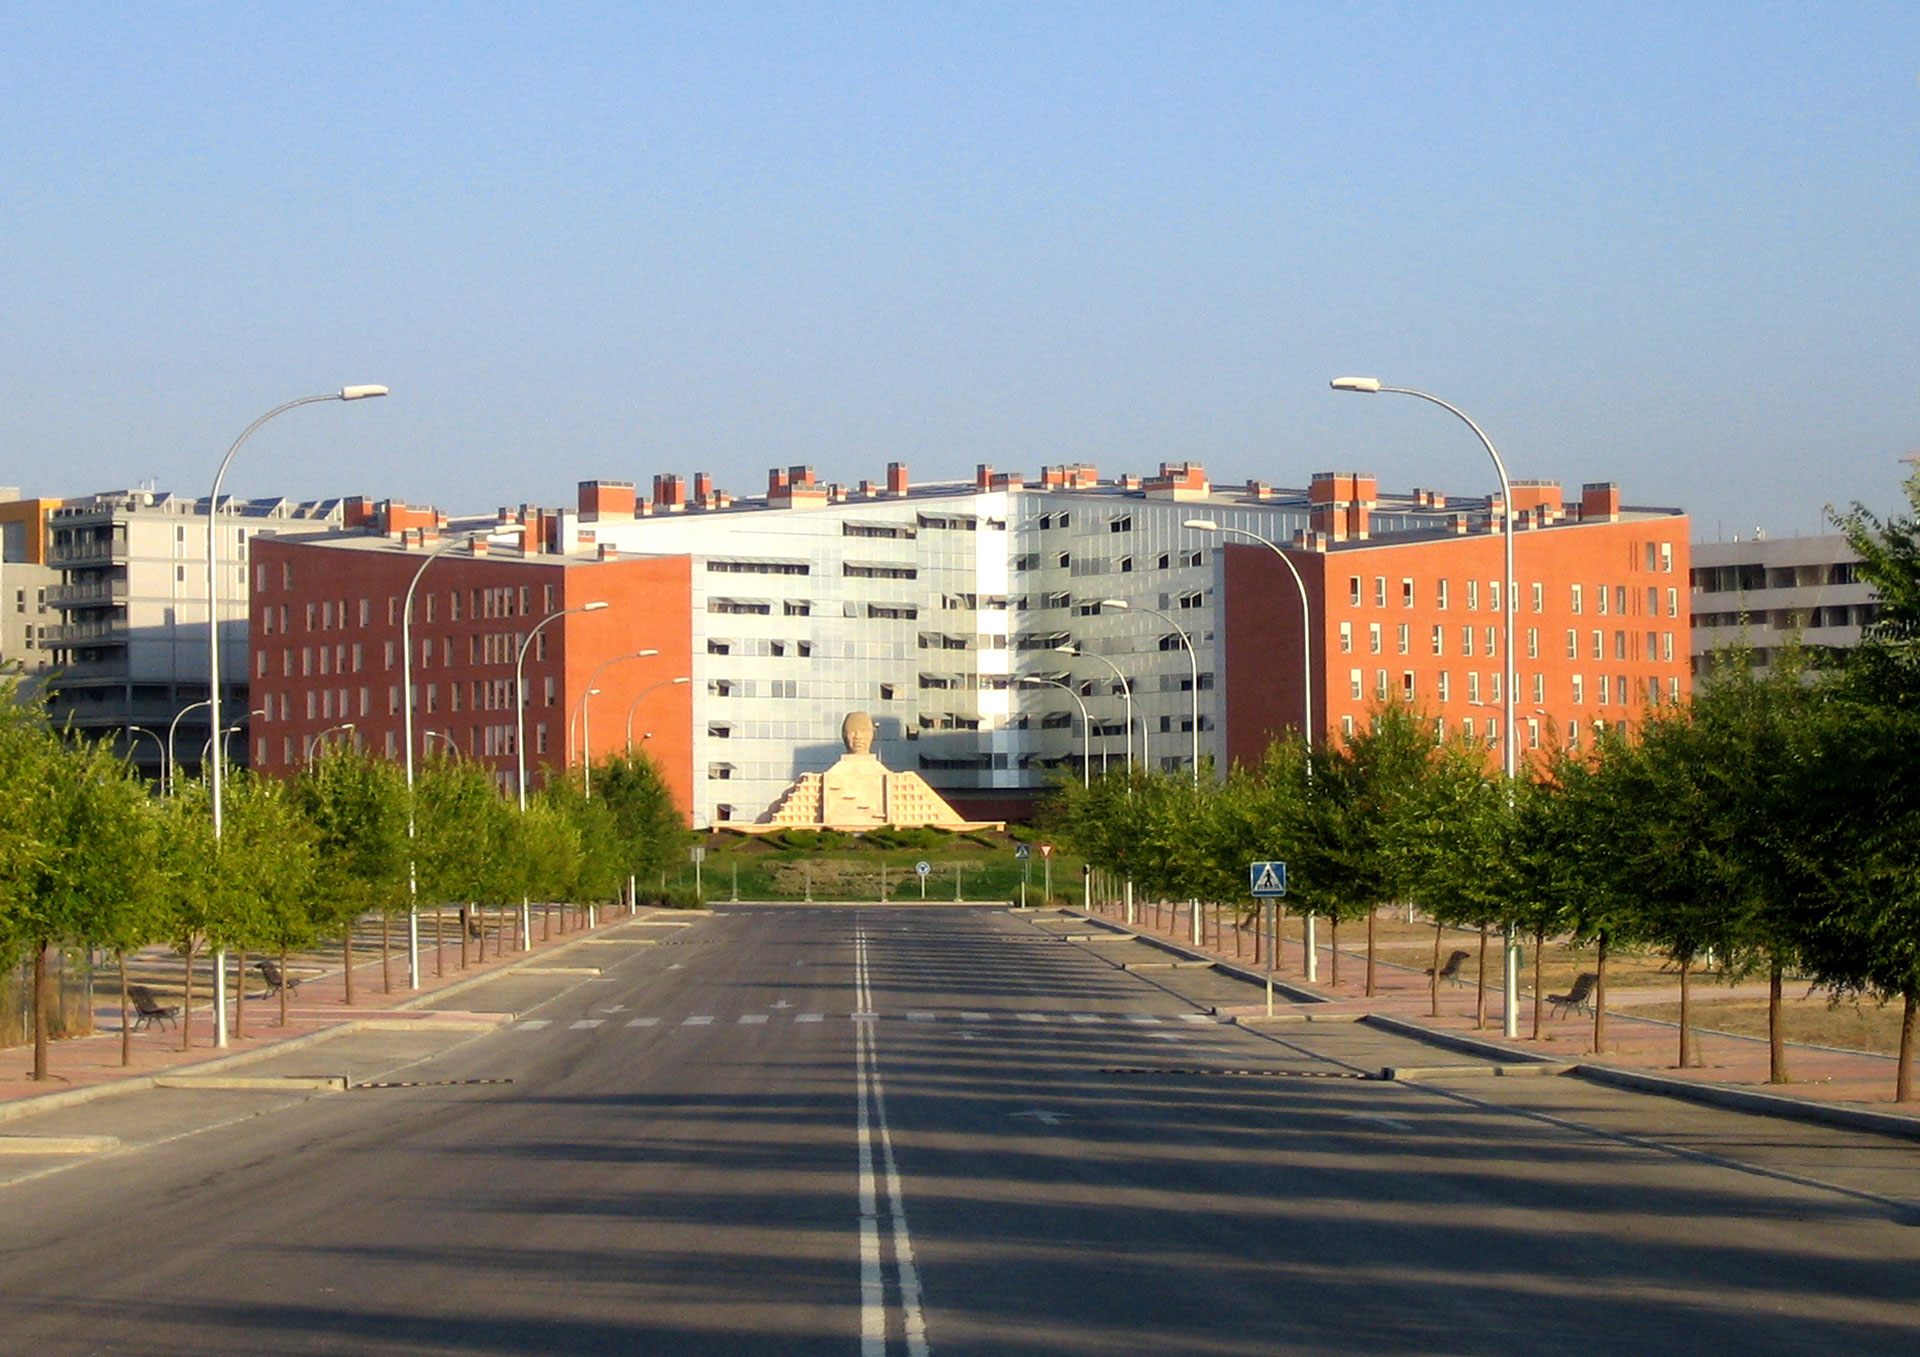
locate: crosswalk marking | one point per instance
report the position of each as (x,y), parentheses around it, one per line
(748,1019)
(585,1023)
(919,1017)
(975,1017)
(644,1022)
(808,1017)
(911,1015)
(534,1024)
(1144,1019)
(1085,1017)
(1196,1017)
(697,1020)
(1031,1017)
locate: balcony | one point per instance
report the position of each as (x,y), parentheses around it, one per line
(105,631)
(95,593)
(85,553)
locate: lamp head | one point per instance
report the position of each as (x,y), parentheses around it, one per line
(1366,384)
(360,393)
(683,679)
(1201,525)
(1068,650)
(593,607)
(642,654)
(1119,603)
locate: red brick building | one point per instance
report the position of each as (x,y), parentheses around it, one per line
(326,652)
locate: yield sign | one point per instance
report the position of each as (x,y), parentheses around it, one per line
(1269,879)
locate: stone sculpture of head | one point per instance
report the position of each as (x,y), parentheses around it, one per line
(857,733)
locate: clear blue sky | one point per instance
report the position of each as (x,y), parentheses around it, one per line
(1674,246)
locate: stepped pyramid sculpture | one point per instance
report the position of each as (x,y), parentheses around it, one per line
(860,792)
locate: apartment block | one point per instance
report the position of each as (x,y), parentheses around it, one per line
(980,623)
(26,617)
(1761,594)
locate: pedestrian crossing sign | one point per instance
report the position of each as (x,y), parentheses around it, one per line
(1269,880)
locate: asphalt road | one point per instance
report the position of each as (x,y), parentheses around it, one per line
(937,1130)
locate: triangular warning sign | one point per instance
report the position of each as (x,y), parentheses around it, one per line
(1267,881)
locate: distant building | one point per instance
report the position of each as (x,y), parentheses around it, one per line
(130,651)
(1761,594)
(931,607)
(26,617)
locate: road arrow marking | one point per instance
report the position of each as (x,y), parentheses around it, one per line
(1040,1115)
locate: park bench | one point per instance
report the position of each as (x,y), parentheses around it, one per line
(148,1010)
(1451,971)
(1579,999)
(276,979)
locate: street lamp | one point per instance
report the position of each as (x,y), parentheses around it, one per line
(520,694)
(1193,666)
(1126,691)
(169,773)
(634,706)
(1508,603)
(586,742)
(1306,619)
(345,393)
(1086,726)
(133,730)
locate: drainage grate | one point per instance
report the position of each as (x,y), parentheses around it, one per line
(1242,1073)
(429,1083)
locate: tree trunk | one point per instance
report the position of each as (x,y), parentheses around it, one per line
(1776,1038)
(1480,999)
(126,1016)
(1539,983)
(186,1004)
(1686,1010)
(546,920)
(346,959)
(466,912)
(283,984)
(240,993)
(40,1013)
(439,940)
(386,952)
(1373,939)
(1600,999)
(1903,1079)
(1333,942)
(1434,974)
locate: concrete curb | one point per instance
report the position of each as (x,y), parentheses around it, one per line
(1228,968)
(1456,1041)
(1752,1100)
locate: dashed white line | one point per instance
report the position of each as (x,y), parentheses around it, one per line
(698,1020)
(644,1022)
(749,1019)
(586,1023)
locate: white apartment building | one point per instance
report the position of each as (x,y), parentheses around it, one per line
(1763,593)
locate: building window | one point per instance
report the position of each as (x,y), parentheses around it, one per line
(1533,643)
(1473,596)
(1439,639)
(1406,593)
(1346,726)
(1666,558)
(1473,685)
(1600,599)
(1442,685)
(1577,601)
(1380,685)
(1620,599)
(1346,638)
(1579,690)
(1466,641)
(1493,647)
(1373,638)
(1405,637)
(1599,645)
(1673,603)
(1539,596)
(1123,524)
(1353,590)
(1539,690)
(1356,683)
(1379,591)
(1406,685)
(1440,595)
(1666,645)
(1493,595)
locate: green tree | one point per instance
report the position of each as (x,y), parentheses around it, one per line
(648,826)
(357,806)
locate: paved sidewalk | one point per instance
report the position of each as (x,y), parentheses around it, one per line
(83,1067)
(1819,1074)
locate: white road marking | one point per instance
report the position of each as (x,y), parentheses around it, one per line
(643,1022)
(1144,1019)
(697,1020)
(808,1017)
(976,1017)
(1031,1017)
(873,1134)
(533,1024)
(1388,1122)
(919,1017)
(585,1023)
(748,1019)
(1196,1017)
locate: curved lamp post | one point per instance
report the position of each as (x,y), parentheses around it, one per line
(634,706)
(1086,725)
(1306,617)
(586,741)
(1508,603)
(1126,691)
(345,393)
(133,730)
(520,693)
(1193,666)
(173,763)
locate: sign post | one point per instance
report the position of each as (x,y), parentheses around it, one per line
(1024,854)
(1046,871)
(1268,883)
(923,867)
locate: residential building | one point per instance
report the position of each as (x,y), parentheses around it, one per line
(928,605)
(131,648)
(1761,594)
(26,617)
